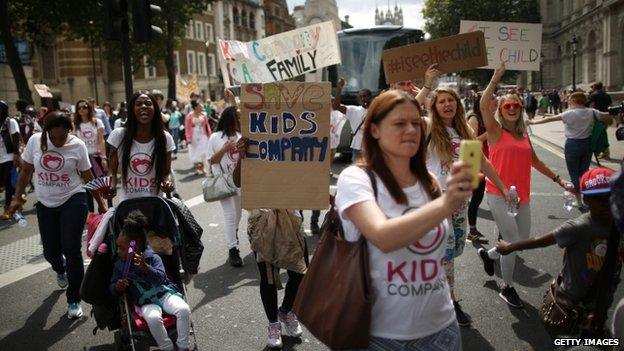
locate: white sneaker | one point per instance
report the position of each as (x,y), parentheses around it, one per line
(290,322)
(275,335)
(74,311)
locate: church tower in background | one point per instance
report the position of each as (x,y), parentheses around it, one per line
(391,17)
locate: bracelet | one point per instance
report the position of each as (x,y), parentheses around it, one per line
(556,178)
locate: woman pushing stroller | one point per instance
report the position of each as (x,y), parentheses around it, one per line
(147,284)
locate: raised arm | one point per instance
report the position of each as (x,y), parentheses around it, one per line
(505,248)
(431,75)
(337,102)
(491,125)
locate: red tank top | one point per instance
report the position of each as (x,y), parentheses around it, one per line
(512,159)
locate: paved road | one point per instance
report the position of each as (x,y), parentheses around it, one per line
(225,301)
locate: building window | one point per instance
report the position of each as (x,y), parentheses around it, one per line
(190,62)
(209,8)
(149,69)
(212,68)
(176,62)
(201,63)
(278,28)
(252,21)
(189,30)
(236,17)
(209,34)
(244,18)
(276,11)
(48,63)
(199,30)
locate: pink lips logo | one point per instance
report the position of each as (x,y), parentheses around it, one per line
(140,164)
(52,161)
(429,243)
(88,134)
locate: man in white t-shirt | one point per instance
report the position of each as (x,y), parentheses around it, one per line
(9,153)
(355,115)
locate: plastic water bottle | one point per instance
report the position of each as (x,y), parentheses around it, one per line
(512,204)
(568,199)
(19,218)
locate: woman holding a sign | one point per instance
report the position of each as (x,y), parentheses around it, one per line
(513,157)
(144,149)
(90,130)
(223,157)
(447,127)
(405,225)
(197,132)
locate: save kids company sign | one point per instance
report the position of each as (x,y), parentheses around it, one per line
(452,54)
(519,45)
(287,161)
(279,57)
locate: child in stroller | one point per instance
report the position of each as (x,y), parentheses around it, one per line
(147,284)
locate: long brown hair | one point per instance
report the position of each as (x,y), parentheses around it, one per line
(440,138)
(78,119)
(372,156)
(55,119)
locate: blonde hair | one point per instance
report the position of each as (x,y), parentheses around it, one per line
(440,138)
(520,128)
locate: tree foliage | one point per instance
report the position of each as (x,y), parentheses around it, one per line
(41,22)
(442,18)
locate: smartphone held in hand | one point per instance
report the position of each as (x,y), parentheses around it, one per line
(470,152)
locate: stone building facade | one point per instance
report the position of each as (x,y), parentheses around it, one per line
(390,17)
(277,18)
(599,28)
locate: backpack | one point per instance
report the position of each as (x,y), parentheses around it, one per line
(276,236)
(599,138)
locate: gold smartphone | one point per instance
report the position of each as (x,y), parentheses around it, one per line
(470,152)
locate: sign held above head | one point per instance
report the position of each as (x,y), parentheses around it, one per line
(452,54)
(519,45)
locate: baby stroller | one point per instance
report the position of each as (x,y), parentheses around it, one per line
(134,333)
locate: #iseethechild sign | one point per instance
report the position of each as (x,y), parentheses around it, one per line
(452,54)
(519,45)
(287,161)
(279,57)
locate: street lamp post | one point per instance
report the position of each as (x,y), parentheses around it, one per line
(541,71)
(574,42)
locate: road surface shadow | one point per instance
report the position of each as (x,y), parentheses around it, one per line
(34,336)
(473,340)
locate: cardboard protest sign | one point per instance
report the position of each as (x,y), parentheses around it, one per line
(279,57)
(287,162)
(43,90)
(452,54)
(518,44)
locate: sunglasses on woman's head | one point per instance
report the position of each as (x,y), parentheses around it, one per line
(510,105)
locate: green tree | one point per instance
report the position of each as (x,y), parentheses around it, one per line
(442,18)
(41,21)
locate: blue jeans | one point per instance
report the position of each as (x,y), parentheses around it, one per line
(578,156)
(61,235)
(175,133)
(447,339)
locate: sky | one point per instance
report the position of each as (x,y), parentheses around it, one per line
(362,12)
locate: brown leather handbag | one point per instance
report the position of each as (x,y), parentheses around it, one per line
(334,299)
(560,315)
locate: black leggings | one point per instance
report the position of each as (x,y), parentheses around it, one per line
(5,180)
(475,202)
(268,292)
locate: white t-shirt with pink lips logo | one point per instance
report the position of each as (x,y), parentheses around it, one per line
(88,132)
(56,175)
(229,160)
(441,169)
(411,297)
(141,177)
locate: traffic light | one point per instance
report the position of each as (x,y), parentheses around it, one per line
(142,13)
(115,19)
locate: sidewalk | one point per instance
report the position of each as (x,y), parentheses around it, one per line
(552,133)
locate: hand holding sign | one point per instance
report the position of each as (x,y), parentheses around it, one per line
(499,72)
(431,75)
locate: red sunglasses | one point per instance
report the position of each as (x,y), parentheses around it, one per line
(510,105)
